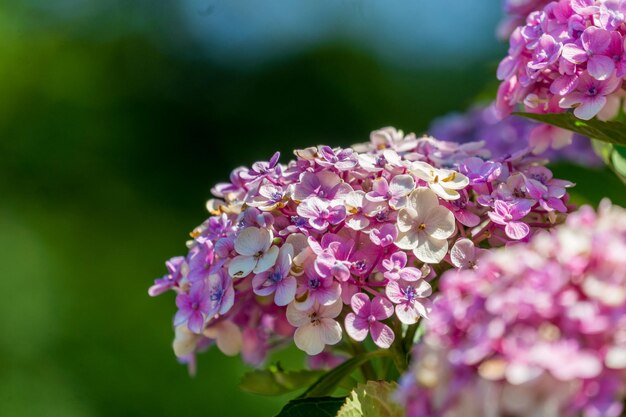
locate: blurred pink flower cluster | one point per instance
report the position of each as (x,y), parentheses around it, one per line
(347,237)
(568,55)
(537,329)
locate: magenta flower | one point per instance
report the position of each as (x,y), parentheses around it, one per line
(324,184)
(263,169)
(411,299)
(367,318)
(341,159)
(220,293)
(385,235)
(320,213)
(171,279)
(547,52)
(593,45)
(394,192)
(509,214)
(192,308)
(277,281)
(315,288)
(395,268)
(590,96)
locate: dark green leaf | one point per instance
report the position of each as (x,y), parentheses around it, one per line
(312,407)
(327,383)
(275,381)
(610,132)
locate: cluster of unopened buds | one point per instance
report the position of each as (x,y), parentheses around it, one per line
(569,54)
(534,330)
(348,239)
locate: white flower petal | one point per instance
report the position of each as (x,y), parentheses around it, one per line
(423,200)
(241,266)
(330,331)
(267,260)
(440,223)
(431,251)
(297,317)
(251,241)
(309,338)
(407,219)
(330,311)
(445,193)
(401,185)
(407,240)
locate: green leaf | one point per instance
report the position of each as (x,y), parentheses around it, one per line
(327,383)
(373,399)
(276,381)
(618,162)
(312,407)
(610,132)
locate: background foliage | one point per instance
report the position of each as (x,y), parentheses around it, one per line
(115,120)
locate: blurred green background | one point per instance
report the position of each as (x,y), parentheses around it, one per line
(117,117)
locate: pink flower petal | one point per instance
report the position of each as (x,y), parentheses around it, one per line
(382,335)
(381,308)
(356,327)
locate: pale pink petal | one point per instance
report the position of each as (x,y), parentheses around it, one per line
(381,308)
(297,317)
(574,53)
(262,285)
(309,338)
(407,313)
(600,67)
(410,274)
(380,187)
(463,253)
(401,185)
(332,310)
(356,327)
(422,289)
(330,331)
(382,335)
(394,293)
(590,107)
(564,85)
(360,304)
(285,291)
(516,230)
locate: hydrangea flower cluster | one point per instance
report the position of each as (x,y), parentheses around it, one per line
(516,12)
(568,55)
(347,239)
(514,134)
(533,329)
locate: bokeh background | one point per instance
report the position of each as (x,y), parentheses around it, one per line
(116,118)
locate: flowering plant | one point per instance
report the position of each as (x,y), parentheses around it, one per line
(348,239)
(348,252)
(535,329)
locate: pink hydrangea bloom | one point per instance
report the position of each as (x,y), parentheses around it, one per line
(568,54)
(346,231)
(533,329)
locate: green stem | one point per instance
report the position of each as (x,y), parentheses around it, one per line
(366,368)
(410,335)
